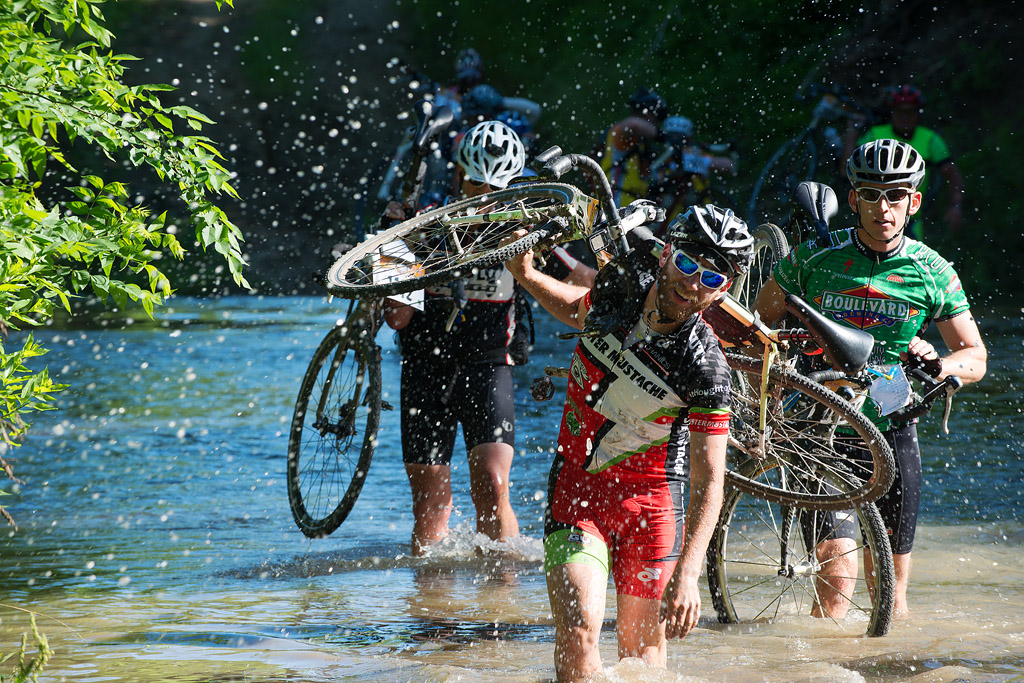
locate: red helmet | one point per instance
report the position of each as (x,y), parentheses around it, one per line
(906,94)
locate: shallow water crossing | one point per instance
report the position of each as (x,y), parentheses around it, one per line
(156,543)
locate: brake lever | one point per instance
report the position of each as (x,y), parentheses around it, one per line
(951,384)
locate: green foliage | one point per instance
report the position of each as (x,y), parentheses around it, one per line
(29,669)
(60,85)
(733,68)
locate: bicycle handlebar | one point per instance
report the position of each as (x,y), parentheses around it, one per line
(558,164)
(925,372)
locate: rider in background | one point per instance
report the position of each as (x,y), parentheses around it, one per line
(630,146)
(457,359)
(874,277)
(483,103)
(673,171)
(462,375)
(906,105)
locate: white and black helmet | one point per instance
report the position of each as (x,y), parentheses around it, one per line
(887,162)
(492,153)
(717,234)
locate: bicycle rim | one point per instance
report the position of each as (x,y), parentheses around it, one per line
(762,567)
(770,247)
(453,240)
(810,434)
(772,197)
(333,431)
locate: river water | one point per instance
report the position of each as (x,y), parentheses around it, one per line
(156,543)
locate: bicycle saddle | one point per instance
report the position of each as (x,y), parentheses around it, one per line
(433,121)
(819,202)
(846,348)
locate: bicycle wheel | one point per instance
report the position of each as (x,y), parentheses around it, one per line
(450,241)
(794,162)
(333,431)
(762,565)
(770,247)
(810,435)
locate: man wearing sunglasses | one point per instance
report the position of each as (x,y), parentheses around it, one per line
(875,278)
(647,409)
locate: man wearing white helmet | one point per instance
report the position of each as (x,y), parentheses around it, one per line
(457,368)
(876,278)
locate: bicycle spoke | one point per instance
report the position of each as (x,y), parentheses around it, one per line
(451,239)
(332,432)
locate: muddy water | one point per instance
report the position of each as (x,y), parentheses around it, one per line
(155,540)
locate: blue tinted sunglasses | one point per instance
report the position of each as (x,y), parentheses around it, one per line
(687,266)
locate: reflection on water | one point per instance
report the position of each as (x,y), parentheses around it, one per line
(157,544)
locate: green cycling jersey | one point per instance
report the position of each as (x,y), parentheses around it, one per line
(892,295)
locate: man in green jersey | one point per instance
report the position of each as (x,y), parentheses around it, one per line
(906,104)
(875,278)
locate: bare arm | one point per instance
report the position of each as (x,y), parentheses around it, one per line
(723,165)
(563,300)
(968,359)
(528,108)
(582,275)
(680,603)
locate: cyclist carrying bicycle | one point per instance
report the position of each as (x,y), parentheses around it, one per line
(874,277)
(457,358)
(629,146)
(683,167)
(647,408)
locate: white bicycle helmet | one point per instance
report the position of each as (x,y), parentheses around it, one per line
(492,153)
(888,162)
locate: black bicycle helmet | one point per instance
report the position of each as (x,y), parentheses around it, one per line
(469,68)
(887,161)
(482,101)
(716,234)
(645,101)
(468,59)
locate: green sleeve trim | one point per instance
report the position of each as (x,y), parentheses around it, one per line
(709,411)
(622,456)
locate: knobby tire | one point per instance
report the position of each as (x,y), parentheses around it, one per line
(333,430)
(429,236)
(761,563)
(810,435)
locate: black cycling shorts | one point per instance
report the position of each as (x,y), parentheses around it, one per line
(437,397)
(898,507)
